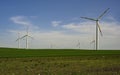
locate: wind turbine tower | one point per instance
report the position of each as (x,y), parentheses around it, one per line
(26,37)
(97,25)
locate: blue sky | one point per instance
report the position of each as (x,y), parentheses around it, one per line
(58,23)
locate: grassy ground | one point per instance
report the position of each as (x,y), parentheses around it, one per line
(56,62)
(75,65)
(10,52)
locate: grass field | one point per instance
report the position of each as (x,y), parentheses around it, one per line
(59,62)
(12,52)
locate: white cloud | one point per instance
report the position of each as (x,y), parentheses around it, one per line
(84,27)
(110,18)
(108,28)
(21,20)
(67,37)
(55,23)
(57,38)
(111,29)
(86,33)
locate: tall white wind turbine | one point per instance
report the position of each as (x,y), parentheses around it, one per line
(18,39)
(97,25)
(26,37)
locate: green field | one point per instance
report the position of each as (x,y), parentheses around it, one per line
(59,62)
(12,52)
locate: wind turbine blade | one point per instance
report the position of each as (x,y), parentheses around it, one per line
(30,37)
(18,39)
(89,18)
(23,36)
(92,42)
(103,13)
(27,29)
(78,44)
(99,29)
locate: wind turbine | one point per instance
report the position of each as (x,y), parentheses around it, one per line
(78,44)
(18,39)
(97,25)
(26,37)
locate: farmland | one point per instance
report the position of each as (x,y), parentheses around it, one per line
(12,52)
(59,62)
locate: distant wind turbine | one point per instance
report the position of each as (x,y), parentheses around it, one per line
(97,25)
(18,39)
(26,36)
(78,44)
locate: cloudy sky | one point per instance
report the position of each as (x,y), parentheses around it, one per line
(57,23)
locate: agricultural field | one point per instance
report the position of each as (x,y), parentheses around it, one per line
(59,62)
